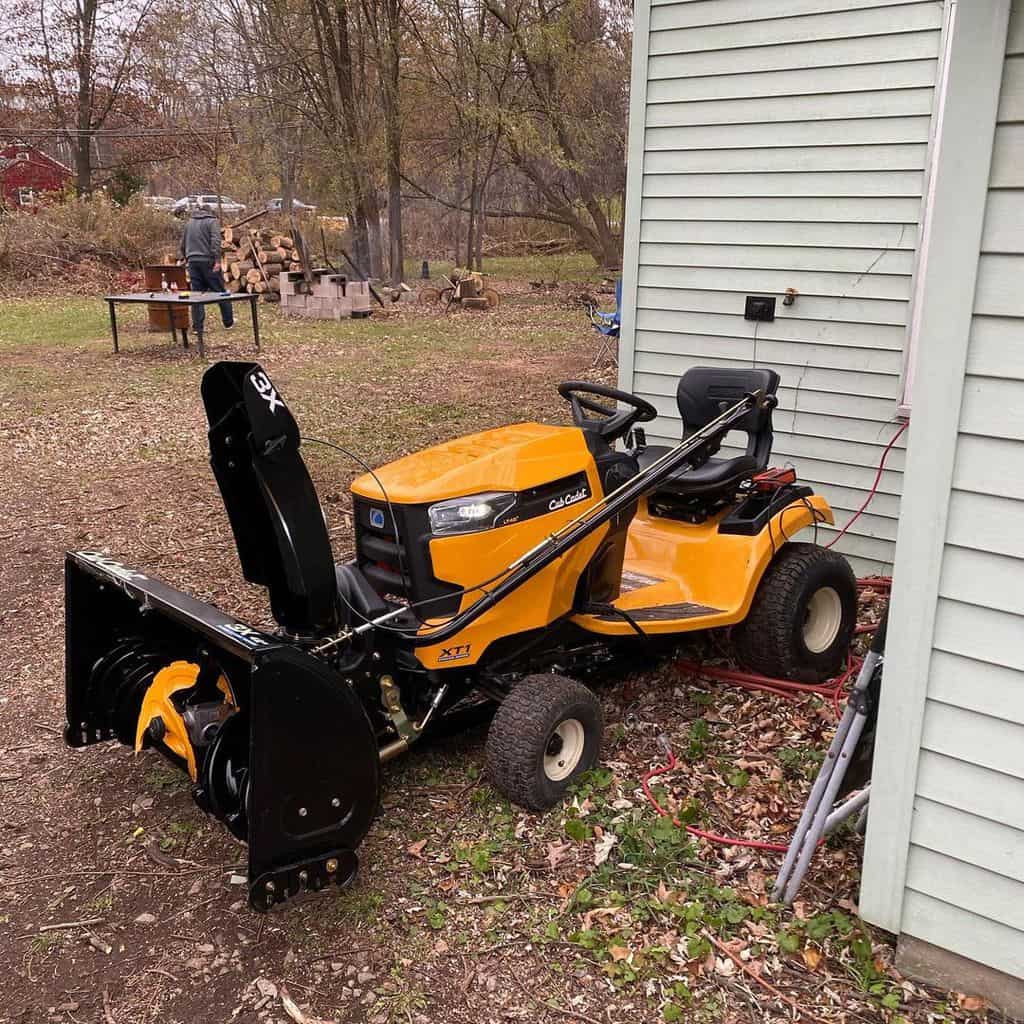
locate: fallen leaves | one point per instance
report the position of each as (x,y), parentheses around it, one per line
(972,1004)
(603,847)
(556,852)
(294,1011)
(416,849)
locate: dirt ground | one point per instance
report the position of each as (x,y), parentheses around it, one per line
(120,902)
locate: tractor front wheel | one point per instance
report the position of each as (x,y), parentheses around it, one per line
(802,618)
(546,732)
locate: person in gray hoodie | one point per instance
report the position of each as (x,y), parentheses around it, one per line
(200,249)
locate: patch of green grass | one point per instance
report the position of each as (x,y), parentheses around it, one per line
(800,762)
(53,321)
(43,943)
(162,779)
(101,904)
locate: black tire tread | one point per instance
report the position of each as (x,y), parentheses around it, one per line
(522,723)
(761,641)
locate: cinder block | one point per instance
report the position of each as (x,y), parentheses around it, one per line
(287,286)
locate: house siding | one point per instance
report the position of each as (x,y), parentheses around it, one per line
(965,872)
(774,152)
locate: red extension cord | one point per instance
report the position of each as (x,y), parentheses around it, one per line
(874,487)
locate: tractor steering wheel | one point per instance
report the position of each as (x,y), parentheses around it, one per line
(612,423)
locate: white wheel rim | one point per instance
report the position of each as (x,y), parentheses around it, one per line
(822,620)
(564,750)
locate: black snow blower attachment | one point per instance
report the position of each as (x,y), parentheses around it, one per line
(277,746)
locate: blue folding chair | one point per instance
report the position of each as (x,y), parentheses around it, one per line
(608,323)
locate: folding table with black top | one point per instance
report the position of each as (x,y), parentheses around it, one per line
(170,300)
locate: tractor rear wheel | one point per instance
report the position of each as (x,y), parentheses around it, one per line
(802,618)
(545,734)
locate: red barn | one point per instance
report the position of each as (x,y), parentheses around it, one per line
(26,172)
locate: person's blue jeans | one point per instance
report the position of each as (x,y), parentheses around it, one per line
(202,277)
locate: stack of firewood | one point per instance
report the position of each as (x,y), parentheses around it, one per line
(253,260)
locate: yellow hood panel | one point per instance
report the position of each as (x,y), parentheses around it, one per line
(510,458)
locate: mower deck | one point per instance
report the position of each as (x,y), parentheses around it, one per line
(680,577)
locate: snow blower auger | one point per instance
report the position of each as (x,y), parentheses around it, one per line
(495,568)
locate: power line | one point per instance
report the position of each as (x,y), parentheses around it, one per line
(140,133)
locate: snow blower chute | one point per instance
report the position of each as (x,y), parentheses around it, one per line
(498,568)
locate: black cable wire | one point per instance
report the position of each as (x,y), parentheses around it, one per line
(399,541)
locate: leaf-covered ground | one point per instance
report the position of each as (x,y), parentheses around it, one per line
(121,903)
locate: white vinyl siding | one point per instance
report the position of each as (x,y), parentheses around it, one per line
(784,146)
(965,874)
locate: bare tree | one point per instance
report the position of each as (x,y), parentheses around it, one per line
(84,57)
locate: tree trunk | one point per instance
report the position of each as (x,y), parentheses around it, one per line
(376,244)
(83,165)
(460,187)
(481,221)
(396,245)
(393,135)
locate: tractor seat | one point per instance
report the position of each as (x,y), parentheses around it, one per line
(714,475)
(704,393)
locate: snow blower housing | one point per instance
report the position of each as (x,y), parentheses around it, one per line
(496,568)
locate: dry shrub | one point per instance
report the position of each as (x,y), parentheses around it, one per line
(82,239)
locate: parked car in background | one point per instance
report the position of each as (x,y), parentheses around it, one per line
(274,206)
(159,202)
(227,206)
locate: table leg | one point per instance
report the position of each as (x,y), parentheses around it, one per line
(170,320)
(255,321)
(113,324)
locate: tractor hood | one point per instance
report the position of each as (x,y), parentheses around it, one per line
(515,458)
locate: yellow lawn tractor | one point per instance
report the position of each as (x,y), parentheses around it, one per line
(496,569)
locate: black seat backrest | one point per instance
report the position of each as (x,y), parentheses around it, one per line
(705,392)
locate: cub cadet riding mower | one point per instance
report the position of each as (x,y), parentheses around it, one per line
(492,568)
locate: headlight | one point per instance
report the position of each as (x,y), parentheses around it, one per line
(474,512)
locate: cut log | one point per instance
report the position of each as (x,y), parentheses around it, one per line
(273,255)
(252,276)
